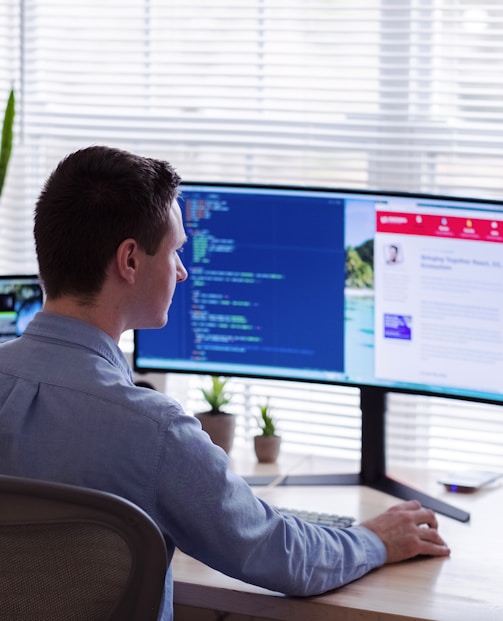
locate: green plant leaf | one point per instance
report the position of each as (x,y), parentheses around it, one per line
(216,397)
(266,422)
(7,137)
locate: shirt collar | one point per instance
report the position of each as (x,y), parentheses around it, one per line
(79,333)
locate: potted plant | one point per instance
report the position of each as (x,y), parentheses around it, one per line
(7,138)
(268,443)
(218,424)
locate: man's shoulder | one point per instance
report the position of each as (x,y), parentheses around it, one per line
(149,400)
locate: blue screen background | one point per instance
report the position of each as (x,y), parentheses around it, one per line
(266,278)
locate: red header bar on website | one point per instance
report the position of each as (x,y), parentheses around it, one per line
(430,225)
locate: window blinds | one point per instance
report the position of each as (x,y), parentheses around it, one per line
(386,94)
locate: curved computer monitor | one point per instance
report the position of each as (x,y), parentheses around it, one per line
(379,289)
(383,291)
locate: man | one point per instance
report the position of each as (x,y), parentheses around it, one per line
(108,232)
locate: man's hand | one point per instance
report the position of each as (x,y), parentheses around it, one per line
(408,529)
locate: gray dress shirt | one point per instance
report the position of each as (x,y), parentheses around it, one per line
(70,412)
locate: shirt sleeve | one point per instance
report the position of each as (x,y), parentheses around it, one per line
(213,515)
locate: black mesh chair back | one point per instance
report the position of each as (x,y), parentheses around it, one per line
(74,554)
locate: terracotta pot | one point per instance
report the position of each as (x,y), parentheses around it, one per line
(267,448)
(220,426)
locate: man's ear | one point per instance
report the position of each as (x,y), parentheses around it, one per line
(128,259)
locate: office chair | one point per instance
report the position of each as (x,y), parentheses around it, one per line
(74,554)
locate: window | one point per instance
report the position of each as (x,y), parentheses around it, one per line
(386,94)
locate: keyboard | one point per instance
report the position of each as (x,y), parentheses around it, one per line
(331,520)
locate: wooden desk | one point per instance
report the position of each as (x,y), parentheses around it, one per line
(467,586)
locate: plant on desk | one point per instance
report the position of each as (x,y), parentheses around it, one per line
(218,424)
(268,443)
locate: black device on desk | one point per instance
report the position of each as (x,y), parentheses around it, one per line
(383,291)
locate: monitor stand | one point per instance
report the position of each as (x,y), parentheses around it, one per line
(373,462)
